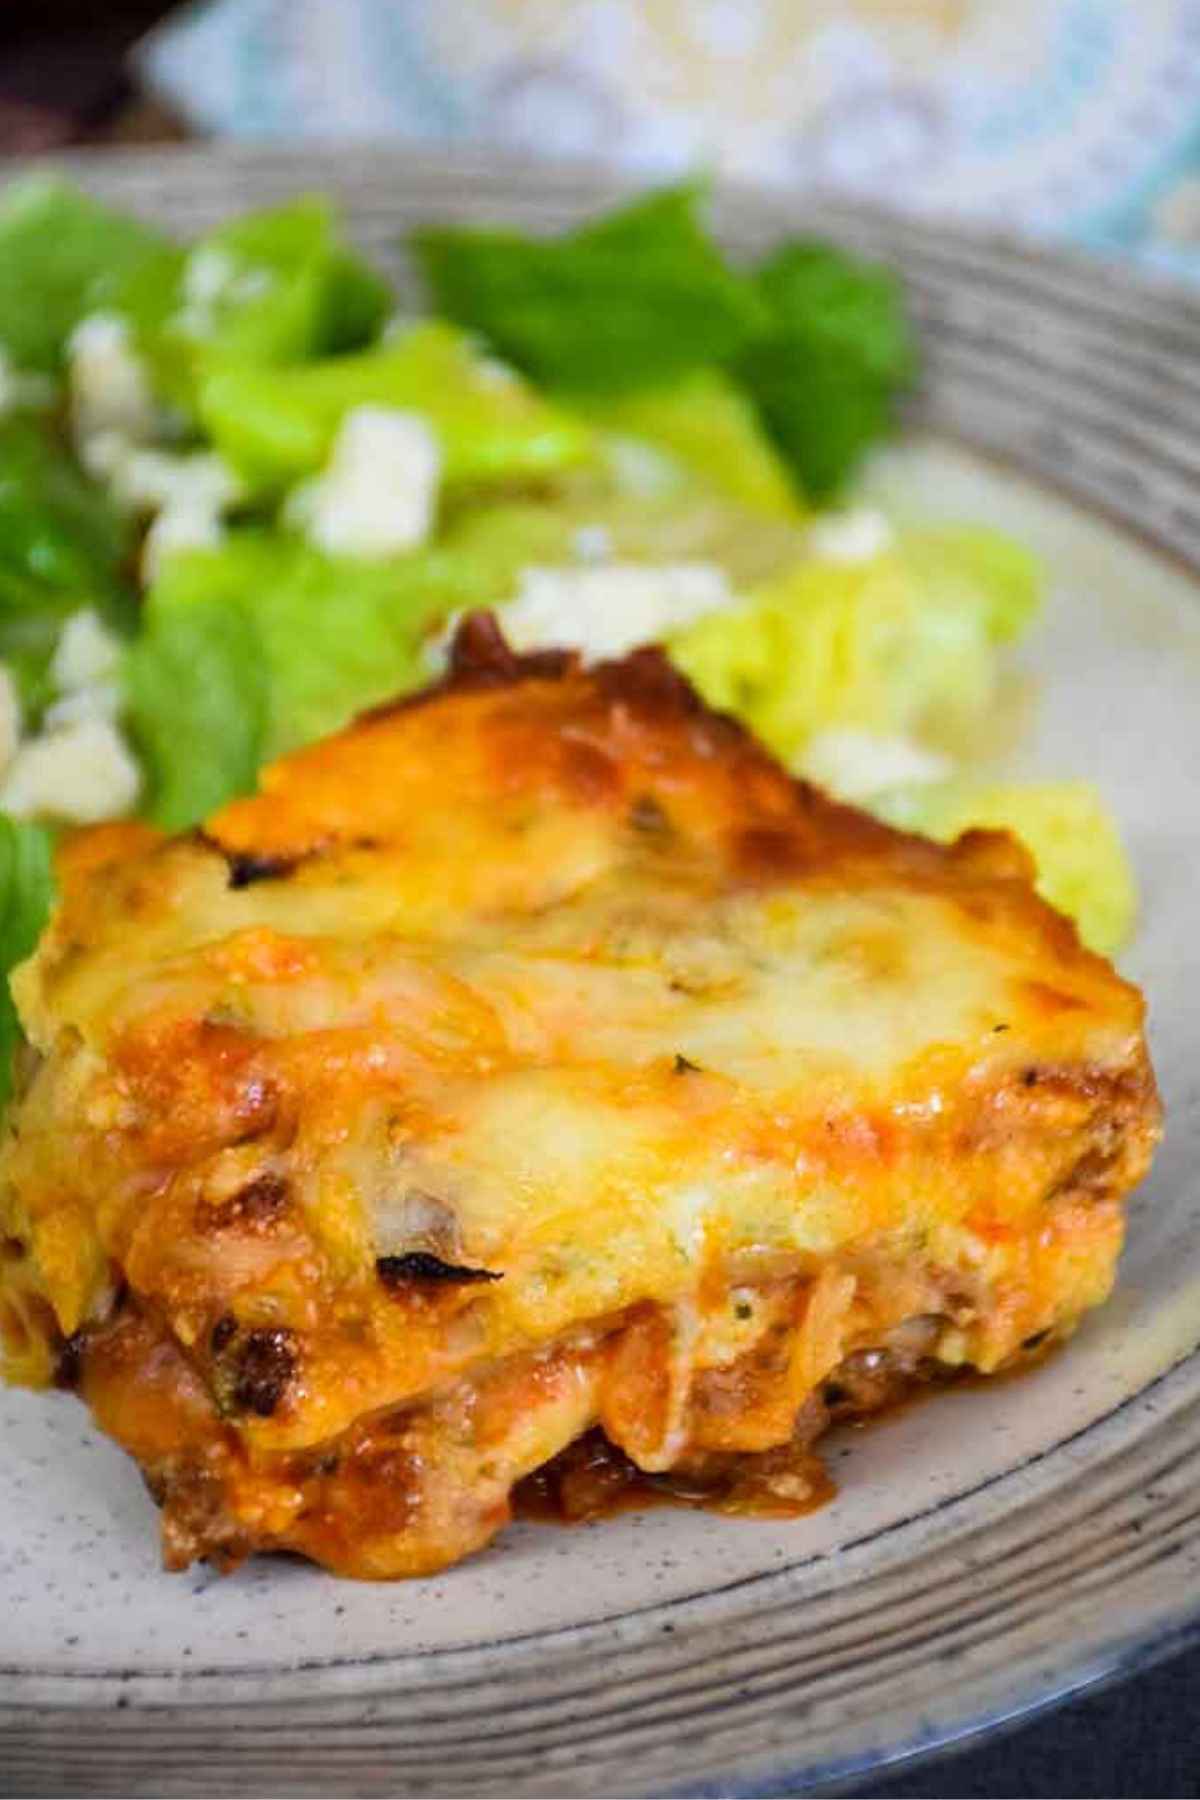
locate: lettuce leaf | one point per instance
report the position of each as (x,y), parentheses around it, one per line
(62,255)
(981,564)
(196,699)
(484,549)
(62,547)
(273,287)
(828,644)
(632,300)
(295,289)
(264,644)
(56,527)
(26,898)
(826,369)
(1082,865)
(818,338)
(277,425)
(707,423)
(681,521)
(339,636)
(287,288)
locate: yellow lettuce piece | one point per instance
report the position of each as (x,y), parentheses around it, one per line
(709,426)
(276,425)
(983,565)
(832,644)
(1082,865)
(902,644)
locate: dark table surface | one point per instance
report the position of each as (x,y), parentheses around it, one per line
(62,81)
(1131,1740)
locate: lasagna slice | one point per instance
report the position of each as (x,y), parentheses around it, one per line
(535,1078)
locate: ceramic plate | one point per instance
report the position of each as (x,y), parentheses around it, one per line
(987,1550)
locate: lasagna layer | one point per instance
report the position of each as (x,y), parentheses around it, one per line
(530,1060)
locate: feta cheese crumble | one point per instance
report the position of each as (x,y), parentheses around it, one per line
(850,537)
(112,406)
(178,528)
(379,491)
(608,609)
(83,772)
(79,767)
(856,765)
(115,423)
(102,701)
(87,653)
(188,495)
(85,671)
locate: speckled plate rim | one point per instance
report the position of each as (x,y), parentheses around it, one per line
(959,1617)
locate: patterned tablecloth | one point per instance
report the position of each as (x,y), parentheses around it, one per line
(1078,118)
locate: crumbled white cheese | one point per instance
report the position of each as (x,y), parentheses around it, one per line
(22,389)
(850,537)
(856,765)
(157,481)
(379,491)
(83,773)
(189,495)
(79,768)
(87,653)
(102,454)
(178,528)
(607,609)
(111,401)
(10,717)
(102,700)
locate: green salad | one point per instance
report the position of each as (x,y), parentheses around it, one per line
(241,499)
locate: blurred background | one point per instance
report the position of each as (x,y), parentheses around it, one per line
(1077,119)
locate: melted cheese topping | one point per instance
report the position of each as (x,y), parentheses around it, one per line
(555,978)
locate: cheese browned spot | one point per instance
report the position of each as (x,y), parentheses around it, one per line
(536,1065)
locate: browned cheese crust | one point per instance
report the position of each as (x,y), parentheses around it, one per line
(534,1074)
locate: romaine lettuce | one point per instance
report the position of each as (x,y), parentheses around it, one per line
(196,695)
(56,528)
(263,644)
(26,897)
(634,299)
(62,547)
(832,644)
(274,287)
(826,369)
(1082,866)
(707,423)
(979,563)
(292,288)
(277,425)
(62,255)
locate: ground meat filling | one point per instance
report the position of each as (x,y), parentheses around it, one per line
(593,1477)
(417,1487)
